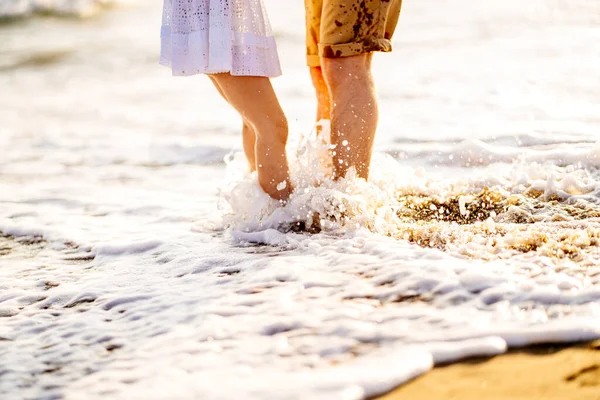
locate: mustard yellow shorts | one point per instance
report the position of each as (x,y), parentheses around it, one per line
(343,28)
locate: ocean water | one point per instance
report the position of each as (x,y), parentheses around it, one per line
(139,259)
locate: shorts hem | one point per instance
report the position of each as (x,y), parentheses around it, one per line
(364,46)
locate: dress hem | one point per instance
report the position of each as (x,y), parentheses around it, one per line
(240,54)
(167,64)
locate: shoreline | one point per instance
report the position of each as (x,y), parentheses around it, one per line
(549,372)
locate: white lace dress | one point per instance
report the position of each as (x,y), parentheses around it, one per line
(215,36)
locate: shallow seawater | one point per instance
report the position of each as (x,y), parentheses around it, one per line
(139,259)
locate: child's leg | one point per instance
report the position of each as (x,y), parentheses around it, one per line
(255,99)
(248,136)
(249,141)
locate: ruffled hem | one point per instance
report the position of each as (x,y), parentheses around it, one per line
(242,54)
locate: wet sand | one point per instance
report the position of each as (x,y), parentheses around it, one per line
(548,372)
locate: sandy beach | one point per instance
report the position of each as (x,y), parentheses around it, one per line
(548,372)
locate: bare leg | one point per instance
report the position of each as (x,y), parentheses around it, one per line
(323,98)
(354,112)
(248,135)
(249,140)
(254,98)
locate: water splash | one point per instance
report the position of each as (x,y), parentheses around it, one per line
(528,208)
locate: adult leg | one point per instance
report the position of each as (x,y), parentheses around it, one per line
(255,99)
(322,91)
(346,33)
(248,135)
(354,112)
(314,9)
